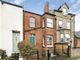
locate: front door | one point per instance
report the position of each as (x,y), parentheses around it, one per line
(16,38)
(32,40)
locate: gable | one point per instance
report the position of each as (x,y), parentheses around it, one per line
(63,6)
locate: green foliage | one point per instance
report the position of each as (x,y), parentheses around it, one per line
(3,53)
(7,58)
(26,50)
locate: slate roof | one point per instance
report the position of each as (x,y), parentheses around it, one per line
(77,34)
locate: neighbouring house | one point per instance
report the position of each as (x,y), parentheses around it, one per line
(75,52)
(54,26)
(77,39)
(11,26)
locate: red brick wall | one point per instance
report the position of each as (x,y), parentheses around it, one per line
(39,31)
(77,42)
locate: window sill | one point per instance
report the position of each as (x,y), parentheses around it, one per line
(49,46)
(50,27)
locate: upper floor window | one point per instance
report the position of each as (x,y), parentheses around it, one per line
(43,23)
(68,25)
(64,11)
(60,23)
(49,22)
(49,41)
(32,22)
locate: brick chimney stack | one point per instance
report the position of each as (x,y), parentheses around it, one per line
(46,7)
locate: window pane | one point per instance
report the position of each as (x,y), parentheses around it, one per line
(43,23)
(49,22)
(62,35)
(60,23)
(32,22)
(49,41)
(67,37)
(64,11)
(61,38)
(68,25)
(43,41)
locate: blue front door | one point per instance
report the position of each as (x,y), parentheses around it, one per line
(32,40)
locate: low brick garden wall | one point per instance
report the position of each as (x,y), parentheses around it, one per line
(61,48)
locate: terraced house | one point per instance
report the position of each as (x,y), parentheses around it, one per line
(53,27)
(11,27)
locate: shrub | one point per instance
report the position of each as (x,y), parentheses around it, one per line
(3,54)
(7,58)
(26,50)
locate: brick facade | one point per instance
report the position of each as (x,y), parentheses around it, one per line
(39,31)
(77,42)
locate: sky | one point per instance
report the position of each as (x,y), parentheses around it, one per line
(37,7)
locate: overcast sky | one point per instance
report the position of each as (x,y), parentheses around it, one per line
(37,7)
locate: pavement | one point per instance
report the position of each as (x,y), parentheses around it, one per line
(63,58)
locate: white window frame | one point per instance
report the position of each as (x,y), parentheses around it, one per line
(68,25)
(49,22)
(60,23)
(43,23)
(43,41)
(15,38)
(32,22)
(67,37)
(49,41)
(61,37)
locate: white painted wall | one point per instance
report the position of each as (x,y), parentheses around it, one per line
(12,19)
(0,24)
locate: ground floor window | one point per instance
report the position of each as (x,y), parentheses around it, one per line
(61,38)
(32,39)
(15,40)
(49,41)
(67,37)
(43,41)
